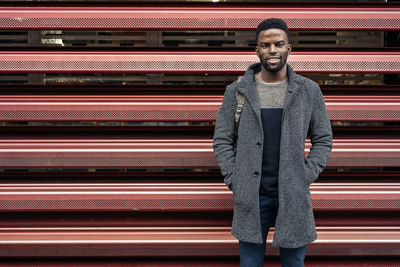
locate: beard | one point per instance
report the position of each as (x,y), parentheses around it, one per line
(275,68)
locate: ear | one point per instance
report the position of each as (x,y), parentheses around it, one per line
(289,48)
(257,51)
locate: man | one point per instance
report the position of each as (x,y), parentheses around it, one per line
(265,167)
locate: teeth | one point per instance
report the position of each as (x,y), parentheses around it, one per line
(273,60)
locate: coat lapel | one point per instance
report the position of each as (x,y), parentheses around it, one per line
(247,86)
(294,83)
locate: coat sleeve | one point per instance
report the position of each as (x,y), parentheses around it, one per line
(320,133)
(224,133)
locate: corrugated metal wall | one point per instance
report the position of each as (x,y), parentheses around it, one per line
(107,112)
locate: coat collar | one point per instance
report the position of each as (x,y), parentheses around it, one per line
(247,86)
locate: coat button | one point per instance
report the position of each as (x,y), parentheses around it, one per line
(258,144)
(256,173)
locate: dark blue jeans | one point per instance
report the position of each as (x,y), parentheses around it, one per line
(252,255)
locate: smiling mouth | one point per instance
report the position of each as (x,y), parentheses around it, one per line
(273,60)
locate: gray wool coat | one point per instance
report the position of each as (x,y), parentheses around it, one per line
(304,112)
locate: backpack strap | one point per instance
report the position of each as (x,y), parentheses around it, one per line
(239,107)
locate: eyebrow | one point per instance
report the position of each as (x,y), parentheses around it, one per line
(280,41)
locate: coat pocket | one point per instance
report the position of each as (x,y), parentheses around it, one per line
(243,194)
(228,180)
(310,176)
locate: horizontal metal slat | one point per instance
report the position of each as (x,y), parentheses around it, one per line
(169,241)
(182,197)
(273,261)
(16,153)
(172,108)
(131,218)
(199,18)
(192,62)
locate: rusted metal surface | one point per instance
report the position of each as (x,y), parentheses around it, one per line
(355,197)
(271,261)
(117,197)
(200,18)
(182,197)
(169,153)
(172,108)
(96,220)
(183,241)
(192,62)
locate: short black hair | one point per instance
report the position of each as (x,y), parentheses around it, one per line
(272,23)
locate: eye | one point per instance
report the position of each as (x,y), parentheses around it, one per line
(264,45)
(281,44)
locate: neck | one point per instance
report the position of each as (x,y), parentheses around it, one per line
(273,77)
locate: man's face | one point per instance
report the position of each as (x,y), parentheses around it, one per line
(273,49)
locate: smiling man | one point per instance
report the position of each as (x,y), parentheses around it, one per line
(262,158)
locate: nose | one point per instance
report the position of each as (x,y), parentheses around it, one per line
(272,49)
